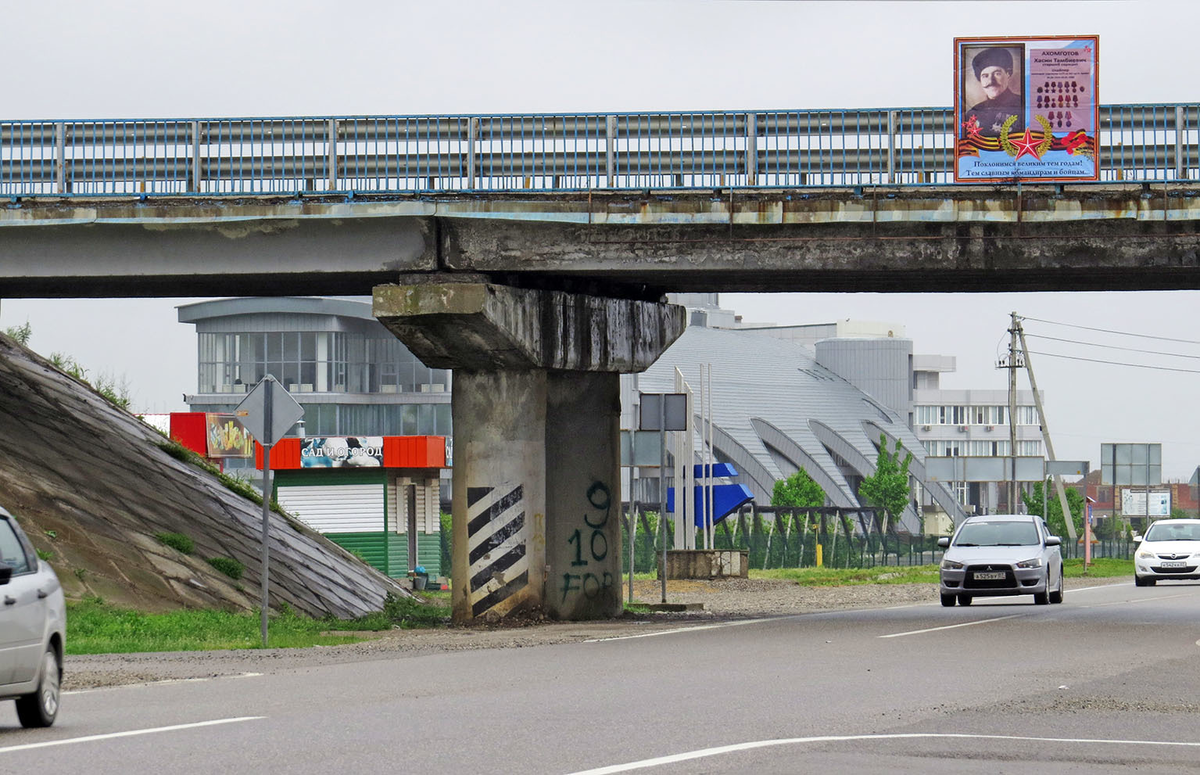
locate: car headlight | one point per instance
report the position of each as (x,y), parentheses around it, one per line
(951,565)
(1036,562)
(1145,555)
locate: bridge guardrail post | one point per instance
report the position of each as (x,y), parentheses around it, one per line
(472,138)
(331,145)
(610,150)
(193,184)
(751,149)
(60,161)
(891,147)
(1180,130)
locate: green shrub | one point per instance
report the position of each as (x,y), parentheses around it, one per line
(44,555)
(177,541)
(399,612)
(227,565)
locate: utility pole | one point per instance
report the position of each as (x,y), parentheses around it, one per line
(1037,400)
(1012,364)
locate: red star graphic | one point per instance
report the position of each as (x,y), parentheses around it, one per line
(1027,145)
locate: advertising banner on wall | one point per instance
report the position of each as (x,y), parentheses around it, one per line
(226,437)
(341,452)
(1026,109)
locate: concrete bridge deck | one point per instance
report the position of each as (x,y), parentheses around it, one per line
(633,244)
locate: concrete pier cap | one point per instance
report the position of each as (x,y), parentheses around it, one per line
(536,410)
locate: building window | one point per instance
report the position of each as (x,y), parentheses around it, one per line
(314,362)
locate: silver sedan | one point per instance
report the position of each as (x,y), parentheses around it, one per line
(1001,554)
(32,628)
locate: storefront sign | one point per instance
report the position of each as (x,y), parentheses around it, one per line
(226,437)
(341,452)
(1026,109)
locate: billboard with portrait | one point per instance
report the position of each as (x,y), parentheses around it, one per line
(1026,109)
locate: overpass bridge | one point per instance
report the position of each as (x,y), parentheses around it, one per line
(530,253)
(631,204)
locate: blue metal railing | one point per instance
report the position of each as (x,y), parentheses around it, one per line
(568,152)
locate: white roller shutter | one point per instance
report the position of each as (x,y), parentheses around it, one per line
(349,508)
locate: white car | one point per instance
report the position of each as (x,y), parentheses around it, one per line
(33,625)
(1169,550)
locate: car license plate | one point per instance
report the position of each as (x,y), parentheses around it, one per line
(990,576)
(1173,564)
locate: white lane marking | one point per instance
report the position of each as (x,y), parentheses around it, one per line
(160,683)
(693,628)
(705,752)
(951,626)
(1134,602)
(698,628)
(130,733)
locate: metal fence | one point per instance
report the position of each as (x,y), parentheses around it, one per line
(788,538)
(568,152)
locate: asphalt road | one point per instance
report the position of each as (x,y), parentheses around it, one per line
(1109,681)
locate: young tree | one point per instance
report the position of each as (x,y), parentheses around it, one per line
(888,488)
(799,491)
(1054,515)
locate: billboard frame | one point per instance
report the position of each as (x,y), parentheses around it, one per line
(1045,143)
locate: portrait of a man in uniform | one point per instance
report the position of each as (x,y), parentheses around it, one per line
(995,92)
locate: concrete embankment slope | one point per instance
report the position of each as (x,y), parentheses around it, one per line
(91,485)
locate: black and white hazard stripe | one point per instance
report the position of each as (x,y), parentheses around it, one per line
(497,538)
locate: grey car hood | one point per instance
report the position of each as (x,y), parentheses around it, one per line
(998,554)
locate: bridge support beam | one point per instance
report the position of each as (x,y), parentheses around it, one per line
(536,406)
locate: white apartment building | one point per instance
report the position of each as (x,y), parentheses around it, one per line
(958,423)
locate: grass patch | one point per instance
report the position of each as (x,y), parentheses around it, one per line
(1099,568)
(177,541)
(229,566)
(839,577)
(45,555)
(98,628)
(403,613)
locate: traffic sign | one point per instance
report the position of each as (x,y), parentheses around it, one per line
(268,411)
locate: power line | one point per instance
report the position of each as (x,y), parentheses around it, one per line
(1116,363)
(1113,347)
(1110,331)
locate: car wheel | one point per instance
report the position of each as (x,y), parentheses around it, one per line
(1057,595)
(40,708)
(964,599)
(948,600)
(1143,581)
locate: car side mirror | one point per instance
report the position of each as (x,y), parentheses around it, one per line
(1137,539)
(1053,541)
(944,543)
(5,572)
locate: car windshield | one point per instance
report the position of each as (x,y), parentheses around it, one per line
(1006,533)
(1167,531)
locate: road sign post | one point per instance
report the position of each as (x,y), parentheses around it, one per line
(267,412)
(662,412)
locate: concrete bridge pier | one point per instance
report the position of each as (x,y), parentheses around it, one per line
(536,406)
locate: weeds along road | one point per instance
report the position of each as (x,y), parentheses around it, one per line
(1105,682)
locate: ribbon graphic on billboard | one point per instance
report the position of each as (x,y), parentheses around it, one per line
(1026,108)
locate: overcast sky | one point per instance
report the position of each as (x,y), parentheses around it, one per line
(137,59)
